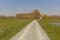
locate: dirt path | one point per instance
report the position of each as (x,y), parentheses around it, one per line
(33,31)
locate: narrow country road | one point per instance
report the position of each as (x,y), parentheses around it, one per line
(33,31)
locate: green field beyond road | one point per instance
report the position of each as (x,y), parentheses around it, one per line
(53,30)
(9,27)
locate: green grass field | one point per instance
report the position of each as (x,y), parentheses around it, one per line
(52,30)
(9,27)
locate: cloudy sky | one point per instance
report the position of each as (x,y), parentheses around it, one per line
(11,7)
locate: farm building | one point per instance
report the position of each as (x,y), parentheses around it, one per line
(35,14)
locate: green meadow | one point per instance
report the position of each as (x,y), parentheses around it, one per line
(9,27)
(53,30)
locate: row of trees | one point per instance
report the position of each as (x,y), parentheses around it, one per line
(6,17)
(50,17)
(44,16)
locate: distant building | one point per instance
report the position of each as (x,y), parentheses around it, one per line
(35,14)
(53,17)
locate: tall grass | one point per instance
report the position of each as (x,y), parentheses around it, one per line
(9,27)
(52,30)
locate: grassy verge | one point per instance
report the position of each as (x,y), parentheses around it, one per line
(9,27)
(52,30)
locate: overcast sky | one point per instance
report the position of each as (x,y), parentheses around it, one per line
(11,7)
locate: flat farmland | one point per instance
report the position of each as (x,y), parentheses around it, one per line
(51,27)
(9,27)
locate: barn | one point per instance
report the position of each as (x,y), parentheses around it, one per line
(33,15)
